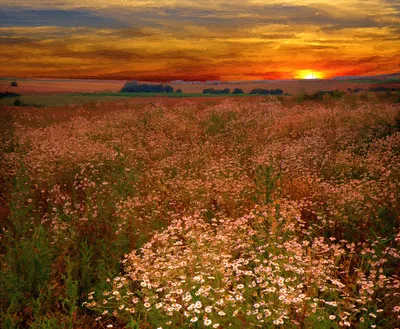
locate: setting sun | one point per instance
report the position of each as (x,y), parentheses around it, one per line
(309,74)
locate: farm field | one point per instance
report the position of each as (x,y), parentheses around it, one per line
(214,212)
(59,86)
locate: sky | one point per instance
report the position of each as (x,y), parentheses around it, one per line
(155,40)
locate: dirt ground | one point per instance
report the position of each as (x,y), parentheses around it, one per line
(48,87)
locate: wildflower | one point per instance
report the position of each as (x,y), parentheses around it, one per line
(207,322)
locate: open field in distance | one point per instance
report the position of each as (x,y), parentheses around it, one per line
(48,86)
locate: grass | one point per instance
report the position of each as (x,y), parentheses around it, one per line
(82,98)
(227,213)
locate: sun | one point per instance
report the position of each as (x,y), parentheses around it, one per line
(309,74)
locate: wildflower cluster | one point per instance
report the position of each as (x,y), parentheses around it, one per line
(225,214)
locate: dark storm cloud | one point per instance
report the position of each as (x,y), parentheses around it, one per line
(10,17)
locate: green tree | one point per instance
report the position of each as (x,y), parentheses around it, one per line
(238,91)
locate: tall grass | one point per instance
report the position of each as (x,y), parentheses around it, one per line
(230,214)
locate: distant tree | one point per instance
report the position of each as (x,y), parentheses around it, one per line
(238,91)
(216,91)
(135,87)
(260,91)
(178,91)
(14,84)
(276,92)
(168,89)
(8,95)
(209,91)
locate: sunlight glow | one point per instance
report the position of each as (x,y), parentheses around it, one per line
(309,74)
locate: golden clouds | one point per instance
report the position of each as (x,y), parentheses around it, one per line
(253,39)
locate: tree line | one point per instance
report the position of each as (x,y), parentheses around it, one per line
(237,91)
(136,87)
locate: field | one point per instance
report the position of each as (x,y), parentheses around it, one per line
(58,86)
(231,212)
(58,92)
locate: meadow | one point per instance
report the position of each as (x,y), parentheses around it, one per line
(57,87)
(201,213)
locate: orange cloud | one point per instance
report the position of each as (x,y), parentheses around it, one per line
(182,40)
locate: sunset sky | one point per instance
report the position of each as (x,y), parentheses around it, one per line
(158,40)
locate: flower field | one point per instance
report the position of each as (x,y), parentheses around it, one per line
(228,213)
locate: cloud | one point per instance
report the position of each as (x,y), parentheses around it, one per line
(53,17)
(235,15)
(211,39)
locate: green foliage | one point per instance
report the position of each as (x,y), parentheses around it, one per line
(397,121)
(8,95)
(260,91)
(216,91)
(70,298)
(320,95)
(68,226)
(18,102)
(238,91)
(266,180)
(168,89)
(135,87)
(217,123)
(26,263)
